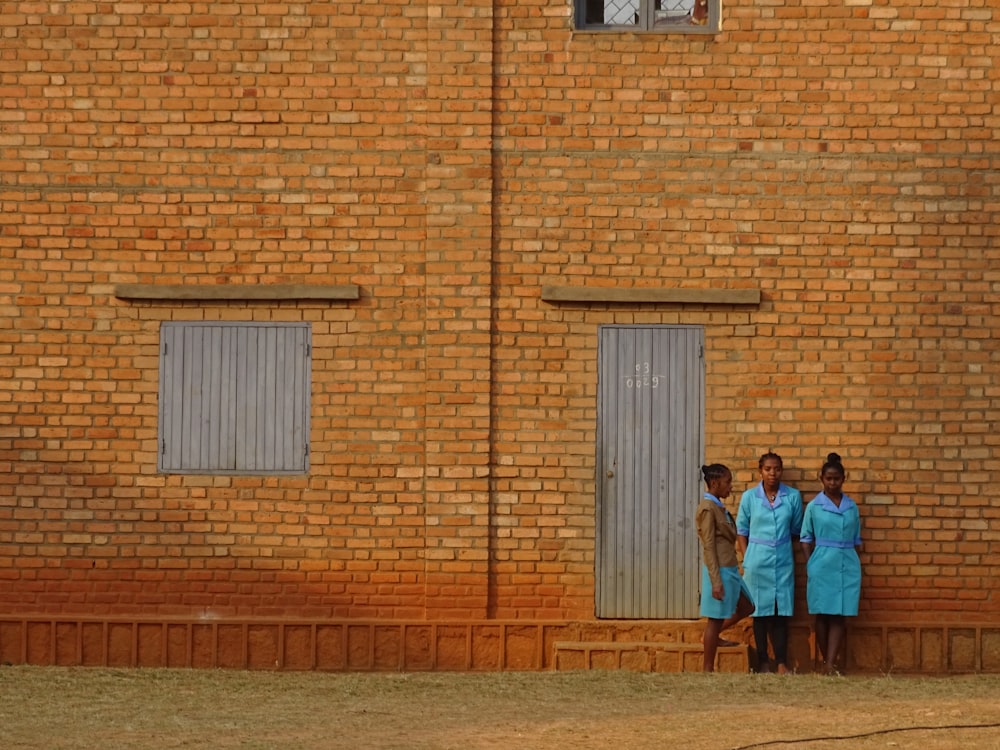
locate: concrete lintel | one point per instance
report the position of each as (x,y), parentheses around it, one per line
(236,292)
(637,295)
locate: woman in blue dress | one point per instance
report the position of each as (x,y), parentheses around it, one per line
(768,522)
(725,599)
(831,539)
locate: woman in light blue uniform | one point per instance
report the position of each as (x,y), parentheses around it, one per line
(831,539)
(768,522)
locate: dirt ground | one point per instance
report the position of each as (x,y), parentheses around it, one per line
(103,709)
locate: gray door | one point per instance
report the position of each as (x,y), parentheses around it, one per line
(650,433)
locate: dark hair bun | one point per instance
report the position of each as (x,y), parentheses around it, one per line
(833,458)
(714,471)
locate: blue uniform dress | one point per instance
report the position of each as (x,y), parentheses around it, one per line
(769,562)
(834,569)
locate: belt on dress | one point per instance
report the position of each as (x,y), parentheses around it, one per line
(769,542)
(838,543)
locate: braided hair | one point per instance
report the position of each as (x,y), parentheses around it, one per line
(714,471)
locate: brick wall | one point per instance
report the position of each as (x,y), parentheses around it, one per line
(451,159)
(841,159)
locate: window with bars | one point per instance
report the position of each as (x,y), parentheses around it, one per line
(234,398)
(679,16)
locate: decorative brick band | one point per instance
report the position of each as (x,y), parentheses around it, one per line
(283,645)
(357,646)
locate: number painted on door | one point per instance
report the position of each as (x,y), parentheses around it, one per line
(643,377)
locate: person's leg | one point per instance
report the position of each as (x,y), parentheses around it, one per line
(835,639)
(822,631)
(710,643)
(744,607)
(760,631)
(779,639)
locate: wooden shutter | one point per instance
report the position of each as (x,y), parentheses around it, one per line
(234,398)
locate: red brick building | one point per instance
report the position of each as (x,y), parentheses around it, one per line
(443,227)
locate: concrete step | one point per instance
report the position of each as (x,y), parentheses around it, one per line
(647,656)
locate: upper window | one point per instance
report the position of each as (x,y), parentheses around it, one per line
(234,398)
(679,16)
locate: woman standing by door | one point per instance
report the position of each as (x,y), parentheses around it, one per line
(768,522)
(724,597)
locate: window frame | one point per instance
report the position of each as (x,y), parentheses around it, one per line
(234,398)
(712,25)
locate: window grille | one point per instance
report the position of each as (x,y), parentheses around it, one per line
(680,16)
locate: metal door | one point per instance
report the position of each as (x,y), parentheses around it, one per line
(650,433)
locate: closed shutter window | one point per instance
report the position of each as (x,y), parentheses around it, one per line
(234,398)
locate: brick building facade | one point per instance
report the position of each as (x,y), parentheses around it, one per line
(456,198)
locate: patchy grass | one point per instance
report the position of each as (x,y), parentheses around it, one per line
(105,709)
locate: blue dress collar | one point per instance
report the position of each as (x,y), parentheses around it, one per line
(714,499)
(824,502)
(729,516)
(763,495)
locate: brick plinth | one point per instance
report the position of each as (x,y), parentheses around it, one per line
(363,646)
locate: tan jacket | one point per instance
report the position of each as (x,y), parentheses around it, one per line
(717,532)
